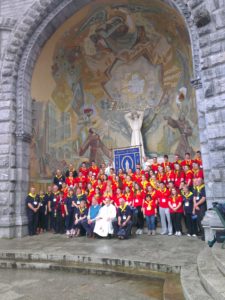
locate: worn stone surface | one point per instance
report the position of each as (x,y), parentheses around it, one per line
(26,25)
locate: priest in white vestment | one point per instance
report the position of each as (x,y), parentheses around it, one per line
(135,120)
(104,219)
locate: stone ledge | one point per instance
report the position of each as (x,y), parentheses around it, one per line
(191,284)
(211,278)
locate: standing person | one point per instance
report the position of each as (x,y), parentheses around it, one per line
(164,211)
(32,205)
(150,213)
(71,169)
(48,198)
(176,211)
(137,205)
(93,211)
(107,214)
(60,215)
(42,213)
(80,218)
(122,227)
(58,179)
(69,207)
(52,207)
(200,206)
(188,205)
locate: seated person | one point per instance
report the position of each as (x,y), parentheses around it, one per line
(80,217)
(93,211)
(107,214)
(122,227)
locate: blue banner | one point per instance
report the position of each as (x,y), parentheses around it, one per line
(126,158)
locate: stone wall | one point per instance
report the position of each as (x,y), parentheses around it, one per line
(26,25)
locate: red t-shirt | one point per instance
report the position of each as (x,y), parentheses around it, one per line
(138,199)
(162,177)
(149,207)
(179,177)
(163,197)
(129,198)
(189,176)
(174,202)
(70,181)
(198,174)
(170,176)
(84,171)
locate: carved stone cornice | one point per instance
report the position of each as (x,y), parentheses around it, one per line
(7,23)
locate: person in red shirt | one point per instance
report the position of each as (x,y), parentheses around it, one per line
(170,176)
(121,175)
(137,176)
(94,168)
(166,162)
(179,175)
(176,211)
(197,172)
(188,176)
(150,212)
(198,159)
(137,204)
(60,214)
(164,211)
(84,170)
(161,176)
(117,197)
(70,180)
(187,161)
(128,182)
(129,196)
(64,190)
(154,165)
(144,183)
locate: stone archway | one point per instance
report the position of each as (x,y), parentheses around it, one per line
(39,23)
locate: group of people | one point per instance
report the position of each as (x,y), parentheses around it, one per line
(97,201)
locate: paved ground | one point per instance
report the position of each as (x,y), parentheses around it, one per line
(24,285)
(173,251)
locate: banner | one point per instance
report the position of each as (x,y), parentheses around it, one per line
(126,158)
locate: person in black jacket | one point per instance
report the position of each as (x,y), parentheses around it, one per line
(32,205)
(188,205)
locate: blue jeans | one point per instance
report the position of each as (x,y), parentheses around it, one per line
(150,220)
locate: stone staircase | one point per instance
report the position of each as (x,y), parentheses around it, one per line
(206,280)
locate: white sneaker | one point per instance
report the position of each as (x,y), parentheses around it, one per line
(179,233)
(194,235)
(163,233)
(140,231)
(176,233)
(188,234)
(170,233)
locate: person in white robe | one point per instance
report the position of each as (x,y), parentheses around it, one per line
(104,219)
(135,120)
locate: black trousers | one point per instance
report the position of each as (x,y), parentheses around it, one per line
(127,228)
(32,222)
(176,221)
(138,217)
(191,224)
(60,223)
(53,220)
(200,213)
(42,219)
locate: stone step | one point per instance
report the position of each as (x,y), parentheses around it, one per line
(219,257)
(191,284)
(211,277)
(171,288)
